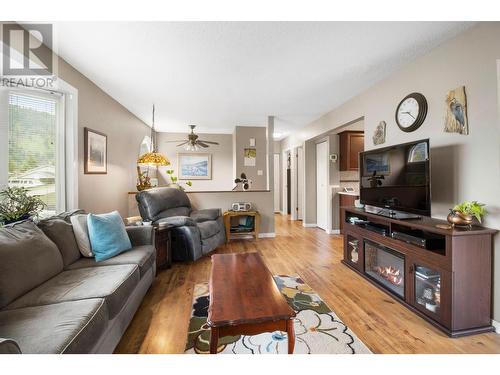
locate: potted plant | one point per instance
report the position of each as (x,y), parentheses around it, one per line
(174,179)
(465,212)
(16,205)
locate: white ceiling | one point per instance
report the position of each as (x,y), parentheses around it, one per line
(221,74)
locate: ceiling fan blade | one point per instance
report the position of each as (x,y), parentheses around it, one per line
(200,143)
(183,140)
(209,142)
(182,144)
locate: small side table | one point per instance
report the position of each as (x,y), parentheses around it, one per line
(227,223)
(163,244)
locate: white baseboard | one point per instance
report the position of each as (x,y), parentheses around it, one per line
(267,235)
(496,324)
(309,225)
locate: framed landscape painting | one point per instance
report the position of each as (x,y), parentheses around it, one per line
(194,166)
(95,159)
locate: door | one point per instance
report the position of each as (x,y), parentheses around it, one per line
(277,173)
(300,183)
(288,185)
(321,185)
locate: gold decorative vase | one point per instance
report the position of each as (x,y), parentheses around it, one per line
(457,218)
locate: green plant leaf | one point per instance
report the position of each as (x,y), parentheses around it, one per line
(15,203)
(473,208)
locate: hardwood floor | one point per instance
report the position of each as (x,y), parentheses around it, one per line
(160,325)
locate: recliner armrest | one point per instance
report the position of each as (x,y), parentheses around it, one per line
(177,221)
(9,346)
(206,214)
(140,235)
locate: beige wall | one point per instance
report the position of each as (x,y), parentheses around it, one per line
(242,135)
(261,201)
(222,160)
(463,167)
(98,111)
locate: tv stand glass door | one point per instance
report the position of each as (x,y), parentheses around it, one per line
(429,290)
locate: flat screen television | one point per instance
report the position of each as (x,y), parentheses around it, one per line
(397,178)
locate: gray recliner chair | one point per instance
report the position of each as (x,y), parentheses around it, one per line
(194,232)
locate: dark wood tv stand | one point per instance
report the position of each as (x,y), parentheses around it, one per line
(448,285)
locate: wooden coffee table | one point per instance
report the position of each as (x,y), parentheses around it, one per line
(244,300)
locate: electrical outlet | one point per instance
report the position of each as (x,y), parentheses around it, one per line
(260,172)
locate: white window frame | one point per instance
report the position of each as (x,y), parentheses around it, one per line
(67,140)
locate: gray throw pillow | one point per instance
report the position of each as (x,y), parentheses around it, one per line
(27,259)
(61,233)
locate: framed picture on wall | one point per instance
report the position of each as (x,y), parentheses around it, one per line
(95,158)
(194,166)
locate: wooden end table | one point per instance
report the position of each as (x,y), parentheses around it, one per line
(163,244)
(227,223)
(245,300)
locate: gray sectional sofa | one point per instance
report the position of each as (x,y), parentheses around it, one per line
(52,300)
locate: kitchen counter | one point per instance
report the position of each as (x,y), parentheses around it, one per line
(354,193)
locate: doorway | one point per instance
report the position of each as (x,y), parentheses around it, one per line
(289,183)
(300,183)
(277,191)
(321,185)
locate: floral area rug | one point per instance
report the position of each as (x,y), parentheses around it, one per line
(318,330)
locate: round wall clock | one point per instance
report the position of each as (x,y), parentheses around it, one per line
(411,112)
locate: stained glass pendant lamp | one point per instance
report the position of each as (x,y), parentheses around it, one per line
(153,158)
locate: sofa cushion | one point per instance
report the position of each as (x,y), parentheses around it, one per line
(142,256)
(66,327)
(113,283)
(61,233)
(208,228)
(108,236)
(204,215)
(27,259)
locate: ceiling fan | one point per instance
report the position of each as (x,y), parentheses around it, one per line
(193,143)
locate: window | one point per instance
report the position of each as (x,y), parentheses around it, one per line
(418,153)
(35,135)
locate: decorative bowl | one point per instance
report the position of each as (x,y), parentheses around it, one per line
(457,218)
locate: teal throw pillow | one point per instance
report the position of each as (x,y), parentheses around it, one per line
(107,235)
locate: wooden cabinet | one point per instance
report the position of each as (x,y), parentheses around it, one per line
(163,244)
(351,144)
(447,282)
(252,228)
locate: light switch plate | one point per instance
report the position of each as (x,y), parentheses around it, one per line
(259,172)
